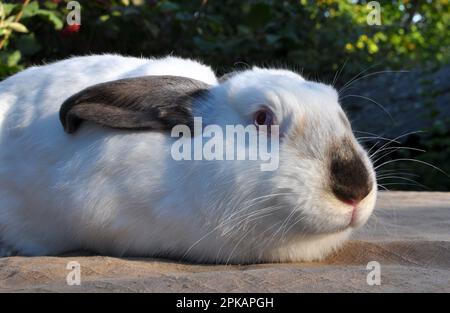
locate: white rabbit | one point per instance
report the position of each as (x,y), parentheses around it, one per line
(109,183)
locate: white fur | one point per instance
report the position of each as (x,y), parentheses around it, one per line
(120,192)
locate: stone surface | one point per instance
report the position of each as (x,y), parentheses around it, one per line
(409,235)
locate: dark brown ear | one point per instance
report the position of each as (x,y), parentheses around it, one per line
(149,102)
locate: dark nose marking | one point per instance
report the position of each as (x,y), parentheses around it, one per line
(350,180)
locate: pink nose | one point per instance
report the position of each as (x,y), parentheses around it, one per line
(350,201)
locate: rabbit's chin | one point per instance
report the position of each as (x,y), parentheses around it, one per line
(315,244)
(309,248)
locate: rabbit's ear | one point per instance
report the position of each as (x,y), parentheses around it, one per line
(149,102)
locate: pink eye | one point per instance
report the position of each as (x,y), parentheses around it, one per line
(263,117)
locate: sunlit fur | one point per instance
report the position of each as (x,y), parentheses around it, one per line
(121,193)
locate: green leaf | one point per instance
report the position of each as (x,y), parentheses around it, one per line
(8,8)
(28,45)
(3,31)
(104,18)
(13,58)
(2,12)
(31,9)
(168,6)
(52,17)
(10,19)
(18,27)
(51,5)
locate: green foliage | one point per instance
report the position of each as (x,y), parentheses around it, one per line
(315,37)
(18,44)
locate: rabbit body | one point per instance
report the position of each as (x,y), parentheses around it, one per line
(120,192)
(59,193)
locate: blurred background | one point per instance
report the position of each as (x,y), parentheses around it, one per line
(394,78)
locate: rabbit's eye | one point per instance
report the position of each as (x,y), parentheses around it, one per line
(263,117)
